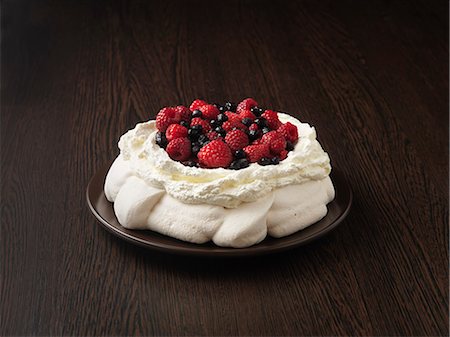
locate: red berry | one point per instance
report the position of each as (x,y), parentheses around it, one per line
(254,126)
(165,117)
(289,131)
(283,155)
(213,135)
(236,140)
(275,140)
(184,113)
(179,149)
(197,104)
(232,117)
(247,114)
(198,121)
(228,126)
(256,152)
(176,131)
(209,111)
(272,119)
(246,104)
(215,154)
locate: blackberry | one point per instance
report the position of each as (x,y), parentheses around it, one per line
(264,161)
(230,107)
(239,154)
(196,113)
(247,121)
(261,122)
(185,124)
(161,139)
(222,118)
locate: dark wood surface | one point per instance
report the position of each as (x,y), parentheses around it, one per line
(371,76)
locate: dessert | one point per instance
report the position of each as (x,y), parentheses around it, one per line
(228,173)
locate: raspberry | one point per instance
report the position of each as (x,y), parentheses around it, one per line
(215,154)
(247,114)
(283,155)
(176,131)
(275,140)
(232,117)
(197,104)
(209,111)
(272,119)
(198,121)
(179,149)
(229,126)
(289,131)
(253,127)
(257,152)
(184,113)
(165,117)
(213,135)
(246,104)
(236,140)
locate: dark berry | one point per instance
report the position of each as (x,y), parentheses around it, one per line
(239,164)
(264,161)
(289,146)
(196,113)
(230,106)
(195,148)
(185,124)
(247,122)
(220,131)
(261,122)
(265,130)
(222,118)
(161,139)
(275,161)
(214,123)
(190,163)
(239,154)
(253,134)
(203,140)
(194,132)
(257,111)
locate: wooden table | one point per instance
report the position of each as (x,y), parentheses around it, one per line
(371,76)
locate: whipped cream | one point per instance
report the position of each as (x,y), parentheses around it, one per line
(222,187)
(231,208)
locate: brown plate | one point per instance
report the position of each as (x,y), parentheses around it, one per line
(103,211)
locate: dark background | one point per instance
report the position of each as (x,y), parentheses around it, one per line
(371,76)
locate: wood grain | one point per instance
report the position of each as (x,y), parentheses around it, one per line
(372,77)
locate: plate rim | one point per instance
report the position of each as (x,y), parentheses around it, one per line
(193,249)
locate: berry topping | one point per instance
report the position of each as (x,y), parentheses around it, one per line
(256,152)
(283,155)
(272,119)
(239,154)
(204,124)
(176,131)
(236,139)
(209,111)
(197,104)
(246,104)
(224,135)
(289,131)
(230,106)
(179,149)
(161,139)
(232,117)
(213,135)
(196,113)
(239,164)
(184,113)
(247,114)
(215,154)
(165,117)
(275,140)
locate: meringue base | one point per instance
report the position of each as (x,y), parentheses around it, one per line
(281,212)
